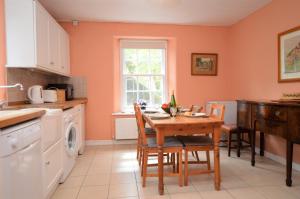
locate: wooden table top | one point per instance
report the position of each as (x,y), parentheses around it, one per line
(183,120)
(9,118)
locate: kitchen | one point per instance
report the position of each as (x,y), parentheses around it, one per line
(73,69)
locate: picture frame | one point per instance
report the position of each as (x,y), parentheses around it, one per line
(204,64)
(289,55)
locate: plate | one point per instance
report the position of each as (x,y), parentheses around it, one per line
(158,116)
(196,115)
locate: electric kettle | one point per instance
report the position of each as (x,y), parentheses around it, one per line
(35,94)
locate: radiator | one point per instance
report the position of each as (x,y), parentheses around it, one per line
(230,116)
(125,129)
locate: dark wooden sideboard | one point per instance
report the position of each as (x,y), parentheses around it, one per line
(276,118)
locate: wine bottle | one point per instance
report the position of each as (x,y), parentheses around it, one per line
(173,101)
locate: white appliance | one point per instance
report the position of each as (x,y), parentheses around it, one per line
(20,161)
(35,94)
(125,128)
(50,95)
(70,141)
(52,166)
(81,110)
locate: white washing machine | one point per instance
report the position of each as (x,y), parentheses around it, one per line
(70,141)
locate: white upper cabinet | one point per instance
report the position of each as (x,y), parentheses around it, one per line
(34,39)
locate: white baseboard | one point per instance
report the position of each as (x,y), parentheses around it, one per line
(278,159)
(108,142)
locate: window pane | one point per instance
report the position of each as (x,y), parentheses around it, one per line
(142,61)
(130,61)
(156,61)
(157,83)
(144,96)
(157,98)
(144,83)
(131,98)
(131,84)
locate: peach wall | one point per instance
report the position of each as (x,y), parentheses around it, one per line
(253,57)
(93,48)
(2,49)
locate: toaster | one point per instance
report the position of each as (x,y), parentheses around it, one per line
(50,95)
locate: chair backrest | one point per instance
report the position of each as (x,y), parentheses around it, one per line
(218,110)
(140,123)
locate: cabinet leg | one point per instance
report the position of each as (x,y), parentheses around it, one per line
(262,144)
(253,135)
(289,163)
(238,152)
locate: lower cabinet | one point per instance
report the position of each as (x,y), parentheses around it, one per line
(52,168)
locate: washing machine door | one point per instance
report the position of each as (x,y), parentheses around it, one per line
(71,139)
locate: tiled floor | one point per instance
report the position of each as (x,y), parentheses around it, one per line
(113,172)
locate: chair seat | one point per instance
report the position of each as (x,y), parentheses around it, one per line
(229,127)
(149,131)
(196,140)
(169,142)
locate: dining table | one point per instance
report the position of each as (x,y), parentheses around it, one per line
(183,125)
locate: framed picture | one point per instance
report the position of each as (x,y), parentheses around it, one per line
(289,55)
(204,64)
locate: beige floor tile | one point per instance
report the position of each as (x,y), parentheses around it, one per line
(204,186)
(79,171)
(191,195)
(96,180)
(93,192)
(150,190)
(73,181)
(122,190)
(275,192)
(215,195)
(66,193)
(94,170)
(120,178)
(175,188)
(245,193)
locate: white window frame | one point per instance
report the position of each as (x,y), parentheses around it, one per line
(141,44)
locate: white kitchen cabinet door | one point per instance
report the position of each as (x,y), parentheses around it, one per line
(54,51)
(42,34)
(52,168)
(33,38)
(65,54)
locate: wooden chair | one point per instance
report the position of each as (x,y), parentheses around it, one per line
(200,143)
(231,129)
(149,146)
(149,133)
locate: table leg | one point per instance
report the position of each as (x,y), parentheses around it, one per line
(253,137)
(216,137)
(262,144)
(238,151)
(289,162)
(160,143)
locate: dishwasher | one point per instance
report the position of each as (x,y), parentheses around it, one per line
(20,161)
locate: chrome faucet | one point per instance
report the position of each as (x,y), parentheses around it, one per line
(3,102)
(13,86)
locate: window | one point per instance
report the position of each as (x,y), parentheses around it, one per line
(143,69)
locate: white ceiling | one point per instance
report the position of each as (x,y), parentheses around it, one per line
(200,12)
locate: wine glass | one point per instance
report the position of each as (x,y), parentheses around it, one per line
(173,111)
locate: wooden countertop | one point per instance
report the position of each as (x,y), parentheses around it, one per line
(12,117)
(64,106)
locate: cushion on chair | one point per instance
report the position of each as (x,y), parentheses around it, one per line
(229,127)
(149,131)
(169,142)
(196,140)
